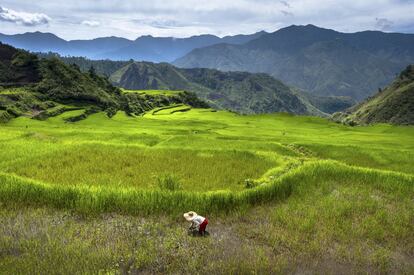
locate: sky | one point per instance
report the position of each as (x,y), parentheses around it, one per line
(86,19)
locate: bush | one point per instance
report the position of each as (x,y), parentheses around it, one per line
(169,182)
(352,123)
(110,112)
(4,116)
(13,111)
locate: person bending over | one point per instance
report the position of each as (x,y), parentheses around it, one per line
(197,222)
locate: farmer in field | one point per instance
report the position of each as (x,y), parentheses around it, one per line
(197,222)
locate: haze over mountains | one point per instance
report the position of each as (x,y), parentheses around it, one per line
(144,48)
(321,61)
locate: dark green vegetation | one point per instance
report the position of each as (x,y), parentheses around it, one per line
(41,88)
(394,104)
(321,61)
(107,194)
(17,67)
(148,48)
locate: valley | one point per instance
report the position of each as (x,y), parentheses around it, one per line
(296,145)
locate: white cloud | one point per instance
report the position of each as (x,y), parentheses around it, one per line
(91,23)
(23,18)
(181,18)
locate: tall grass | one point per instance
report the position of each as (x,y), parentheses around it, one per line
(14,189)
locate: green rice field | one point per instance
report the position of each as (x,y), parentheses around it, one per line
(284,193)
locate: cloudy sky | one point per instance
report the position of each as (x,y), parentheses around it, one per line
(84,19)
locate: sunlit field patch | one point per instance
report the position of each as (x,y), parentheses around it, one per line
(131,166)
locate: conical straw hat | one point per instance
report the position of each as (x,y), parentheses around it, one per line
(189,216)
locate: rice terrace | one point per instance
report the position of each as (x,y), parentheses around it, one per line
(358,178)
(287,152)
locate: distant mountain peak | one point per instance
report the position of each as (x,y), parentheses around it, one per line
(41,34)
(304,28)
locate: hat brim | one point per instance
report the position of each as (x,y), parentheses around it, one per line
(189,216)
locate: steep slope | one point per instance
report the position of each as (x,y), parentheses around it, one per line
(30,86)
(239,91)
(394,104)
(156,49)
(321,61)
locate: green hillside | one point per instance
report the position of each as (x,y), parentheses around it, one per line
(394,104)
(237,91)
(40,88)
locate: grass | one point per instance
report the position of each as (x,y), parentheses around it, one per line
(89,199)
(107,194)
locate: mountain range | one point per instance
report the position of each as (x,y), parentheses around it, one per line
(46,86)
(148,48)
(321,61)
